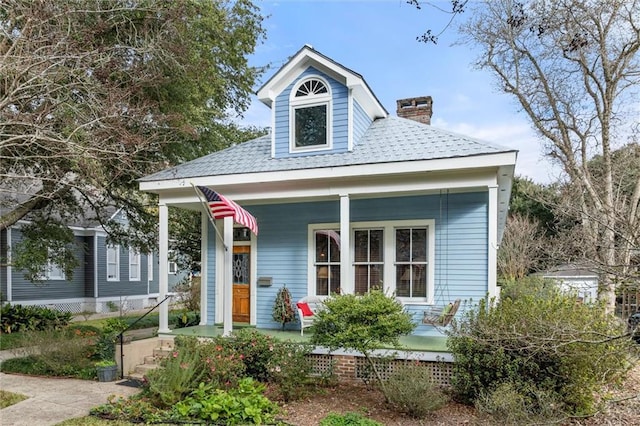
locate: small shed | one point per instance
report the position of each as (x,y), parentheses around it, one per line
(575,278)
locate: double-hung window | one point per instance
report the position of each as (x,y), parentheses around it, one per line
(368,260)
(327,261)
(310,115)
(54,271)
(412,247)
(113,263)
(396,257)
(134,265)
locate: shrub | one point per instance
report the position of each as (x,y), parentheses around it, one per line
(514,406)
(63,353)
(245,404)
(290,368)
(182,319)
(256,348)
(411,390)
(177,376)
(18,318)
(547,343)
(348,419)
(362,323)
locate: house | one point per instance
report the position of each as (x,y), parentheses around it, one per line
(347,198)
(106,278)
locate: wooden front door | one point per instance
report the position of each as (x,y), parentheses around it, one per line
(241,283)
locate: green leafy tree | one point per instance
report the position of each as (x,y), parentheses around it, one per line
(97,93)
(362,323)
(283,312)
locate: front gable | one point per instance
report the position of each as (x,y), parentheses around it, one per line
(318,106)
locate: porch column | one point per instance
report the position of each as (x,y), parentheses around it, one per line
(492,212)
(163,258)
(345,262)
(227,319)
(204,270)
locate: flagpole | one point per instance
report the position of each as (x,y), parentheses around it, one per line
(211,219)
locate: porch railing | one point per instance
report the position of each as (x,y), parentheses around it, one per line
(121,335)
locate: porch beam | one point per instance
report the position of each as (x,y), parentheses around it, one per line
(163,272)
(345,259)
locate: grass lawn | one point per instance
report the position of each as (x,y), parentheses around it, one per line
(10,398)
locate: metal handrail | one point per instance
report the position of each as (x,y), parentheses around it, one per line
(121,335)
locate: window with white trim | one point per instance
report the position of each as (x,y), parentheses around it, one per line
(412,249)
(310,115)
(134,265)
(327,261)
(54,272)
(368,261)
(397,257)
(113,263)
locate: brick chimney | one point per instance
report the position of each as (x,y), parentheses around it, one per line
(417,109)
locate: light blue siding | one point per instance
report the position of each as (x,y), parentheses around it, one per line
(282,247)
(361,122)
(339,124)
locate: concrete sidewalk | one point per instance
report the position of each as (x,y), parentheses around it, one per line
(52,400)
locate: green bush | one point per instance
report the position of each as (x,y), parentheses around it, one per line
(62,353)
(290,369)
(18,318)
(182,319)
(136,409)
(178,375)
(244,404)
(514,406)
(542,341)
(362,323)
(348,419)
(411,390)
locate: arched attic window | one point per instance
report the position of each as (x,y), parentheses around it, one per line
(310,115)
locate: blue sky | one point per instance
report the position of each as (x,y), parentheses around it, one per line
(377,39)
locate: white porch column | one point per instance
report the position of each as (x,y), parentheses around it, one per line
(204,270)
(163,258)
(345,255)
(227,320)
(492,213)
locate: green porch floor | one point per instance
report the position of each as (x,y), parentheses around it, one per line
(412,343)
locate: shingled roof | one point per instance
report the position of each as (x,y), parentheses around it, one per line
(387,140)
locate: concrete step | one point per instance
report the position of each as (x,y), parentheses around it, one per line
(143,369)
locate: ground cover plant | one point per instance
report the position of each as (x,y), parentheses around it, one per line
(220,380)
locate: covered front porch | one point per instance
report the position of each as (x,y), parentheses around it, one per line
(420,347)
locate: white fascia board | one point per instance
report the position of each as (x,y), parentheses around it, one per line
(387,186)
(342,172)
(306,58)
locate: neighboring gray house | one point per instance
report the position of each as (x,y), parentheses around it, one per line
(106,277)
(347,198)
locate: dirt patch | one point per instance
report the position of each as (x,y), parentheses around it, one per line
(358,398)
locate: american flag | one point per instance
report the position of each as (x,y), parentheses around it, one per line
(220,207)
